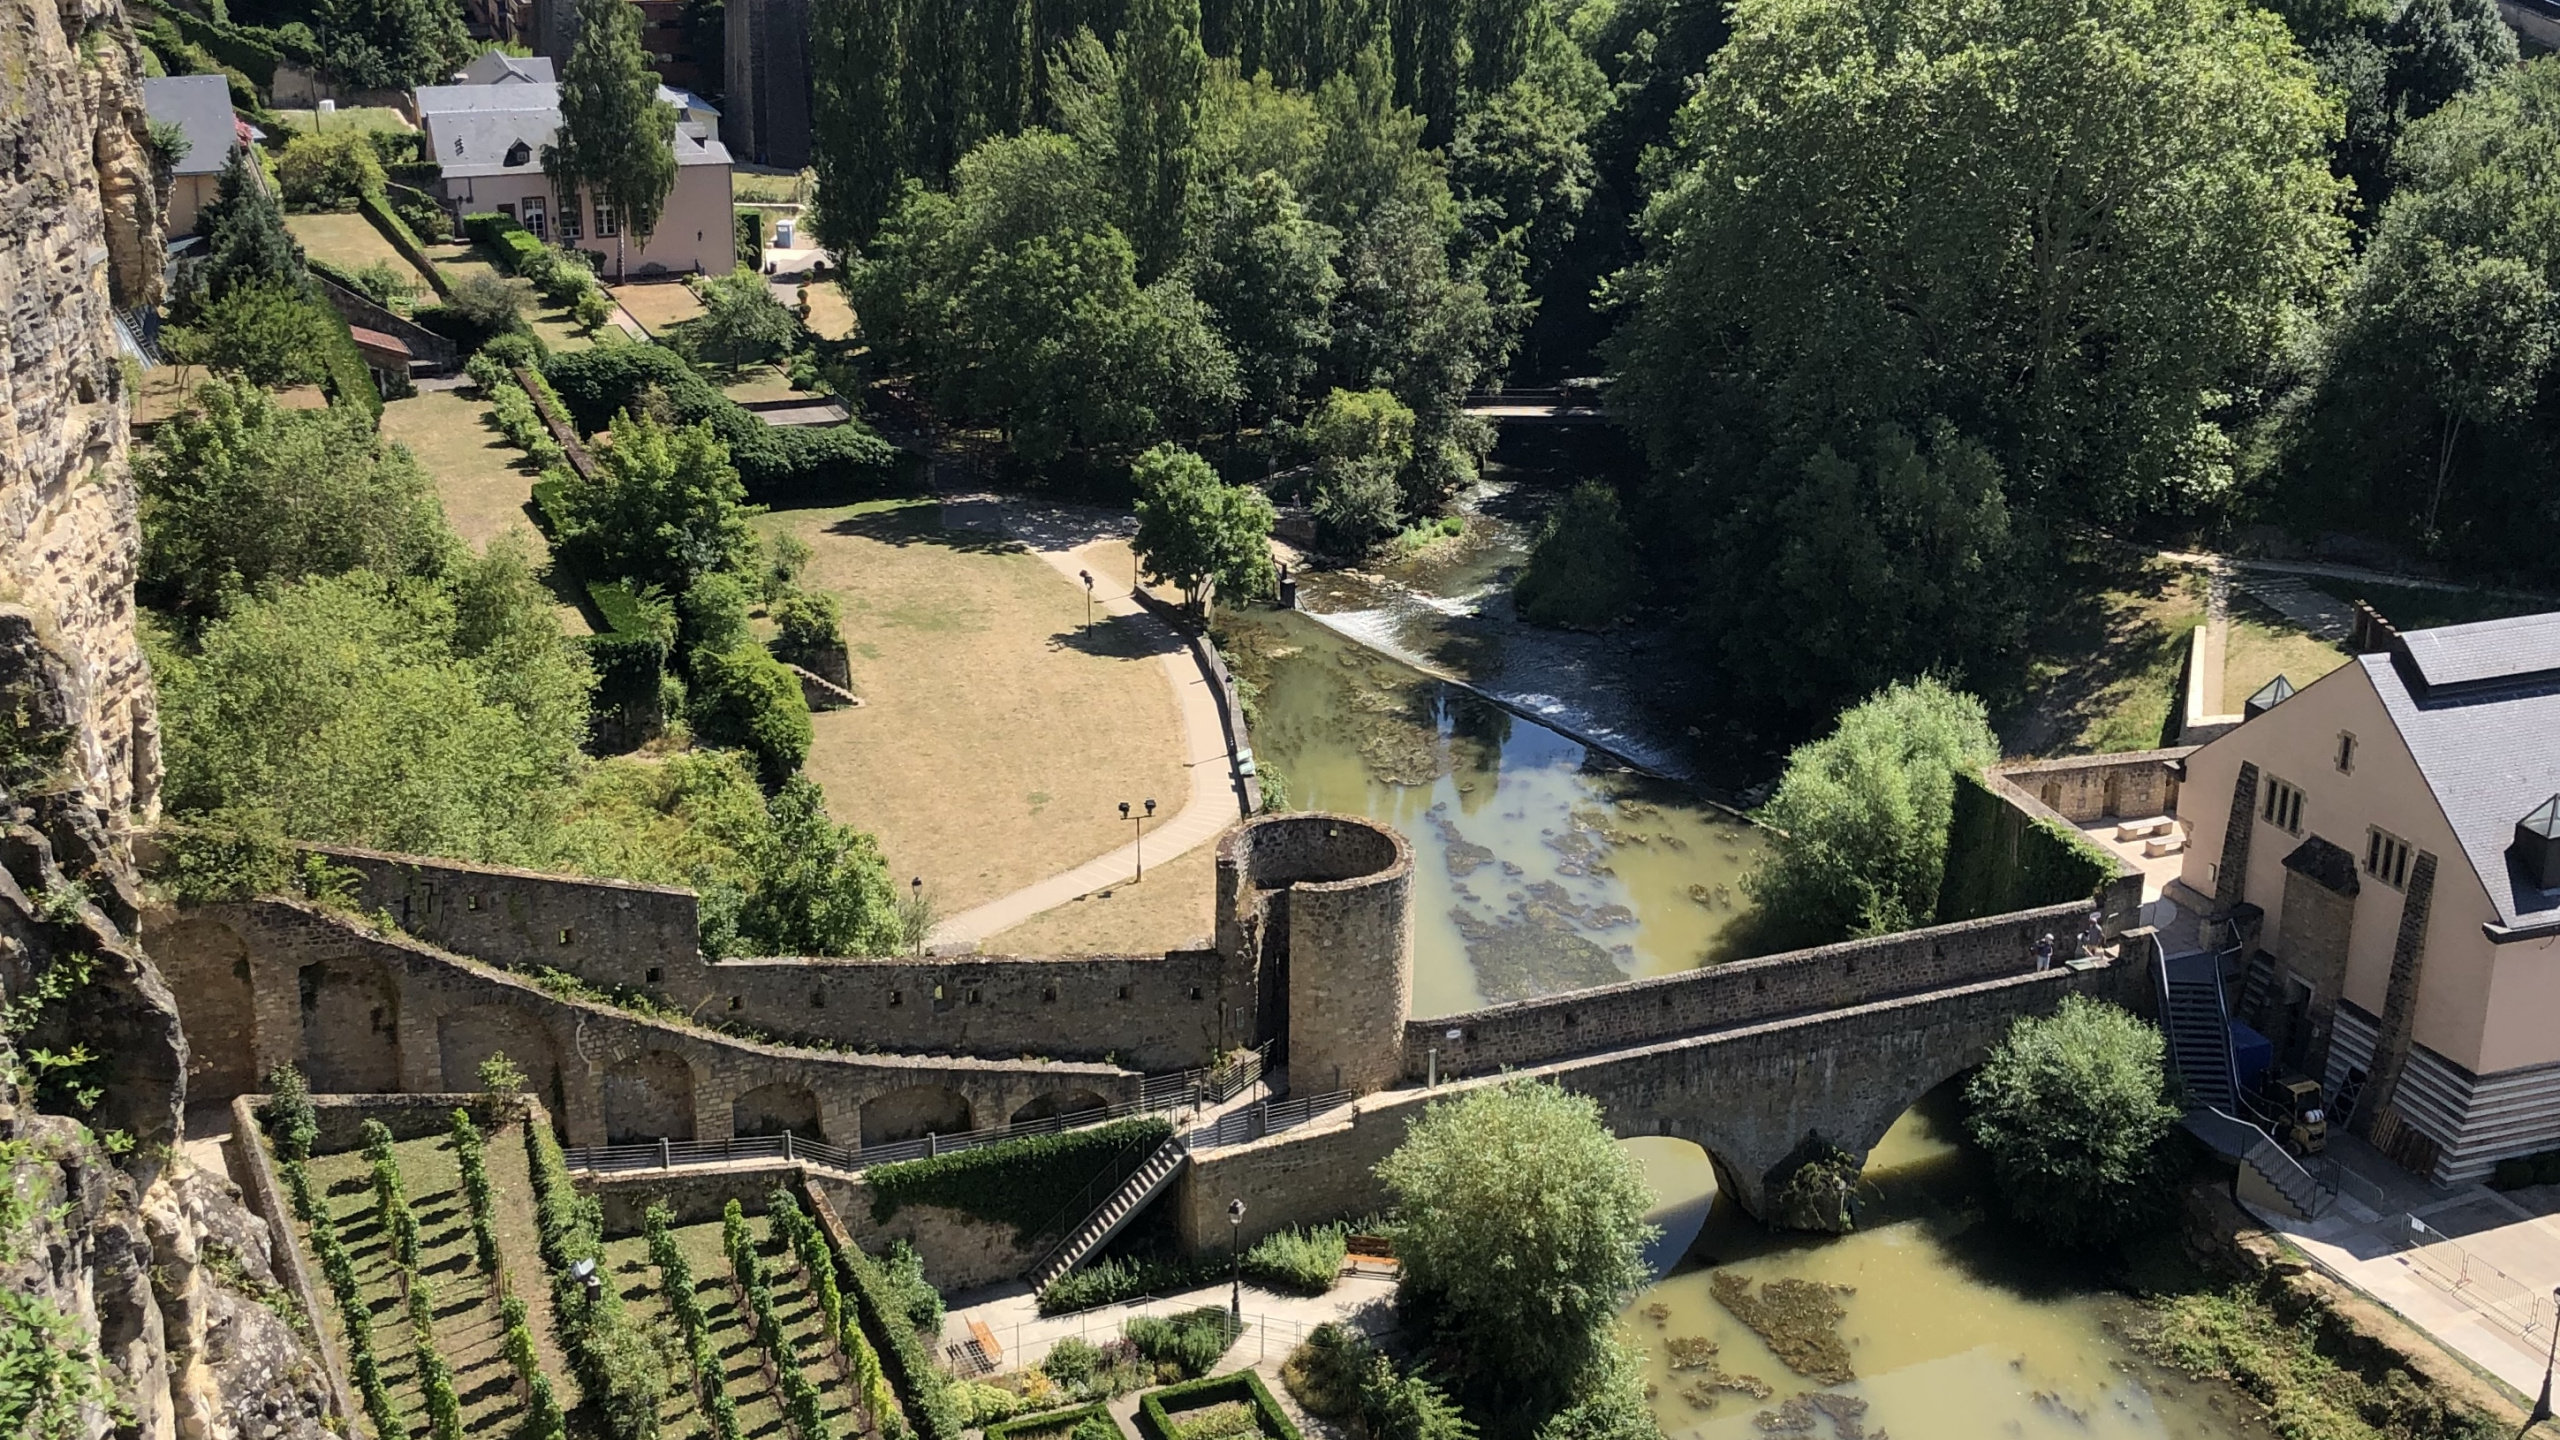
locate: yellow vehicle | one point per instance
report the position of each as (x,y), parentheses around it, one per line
(2302,1119)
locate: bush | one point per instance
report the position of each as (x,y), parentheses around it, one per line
(1111,1279)
(479,1198)
(521,423)
(751,240)
(806,624)
(1297,1262)
(1191,1341)
(1085,1422)
(270,335)
(1582,568)
(775,462)
(1356,506)
(1023,1183)
(488,303)
(616,1367)
(1156,1410)
(744,699)
(2073,1109)
(1327,1370)
(288,1116)
(329,172)
(714,613)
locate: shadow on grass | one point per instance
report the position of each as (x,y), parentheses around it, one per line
(1117,642)
(488,1389)
(920,523)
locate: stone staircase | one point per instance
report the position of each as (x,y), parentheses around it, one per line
(1148,1181)
(2198,1030)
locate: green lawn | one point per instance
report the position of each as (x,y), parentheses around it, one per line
(763,382)
(2262,647)
(732,1333)
(345,117)
(2104,666)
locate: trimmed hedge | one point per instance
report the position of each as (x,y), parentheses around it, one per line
(1998,860)
(1023,1183)
(773,461)
(1155,1424)
(349,382)
(377,209)
(914,1375)
(246,51)
(1053,1421)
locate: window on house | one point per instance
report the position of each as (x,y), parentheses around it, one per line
(604,222)
(2346,752)
(2283,806)
(2386,858)
(568,223)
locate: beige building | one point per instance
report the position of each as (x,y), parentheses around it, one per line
(2392,832)
(200,106)
(488,139)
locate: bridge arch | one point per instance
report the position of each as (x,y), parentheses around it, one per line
(774,1108)
(913,1113)
(648,1096)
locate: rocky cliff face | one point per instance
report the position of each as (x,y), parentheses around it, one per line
(79,235)
(144,1284)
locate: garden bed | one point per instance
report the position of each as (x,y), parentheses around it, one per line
(1222,1407)
(1072,1424)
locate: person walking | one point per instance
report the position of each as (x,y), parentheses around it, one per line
(2044,952)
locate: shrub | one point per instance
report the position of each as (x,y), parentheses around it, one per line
(1325,1372)
(1191,1341)
(329,172)
(1112,1279)
(489,304)
(616,1367)
(1085,1422)
(744,699)
(290,1120)
(1582,569)
(2540,1168)
(517,419)
(1157,1410)
(1406,1405)
(471,1155)
(270,334)
(2074,1110)
(713,612)
(1297,1262)
(775,462)
(807,623)
(913,1372)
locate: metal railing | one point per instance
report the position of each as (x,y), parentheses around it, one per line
(2525,1310)
(1025,1343)
(1268,1118)
(1072,1217)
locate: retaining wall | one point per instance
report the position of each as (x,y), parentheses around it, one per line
(2077,789)
(266,1199)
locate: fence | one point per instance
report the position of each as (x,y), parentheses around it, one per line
(1023,1344)
(1255,1121)
(2524,1310)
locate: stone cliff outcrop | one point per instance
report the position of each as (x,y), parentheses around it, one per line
(144,1285)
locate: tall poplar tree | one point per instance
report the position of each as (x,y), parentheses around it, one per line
(1162,68)
(617,138)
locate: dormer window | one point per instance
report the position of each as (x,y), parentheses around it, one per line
(518,154)
(2536,850)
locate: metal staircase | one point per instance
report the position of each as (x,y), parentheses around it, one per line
(2198,1027)
(1151,1178)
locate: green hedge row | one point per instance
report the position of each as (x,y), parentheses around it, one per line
(1023,1183)
(775,462)
(675,1281)
(615,1364)
(1999,860)
(870,1381)
(246,51)
(1155,1424)
(1060,1422)
(914,1374)
(800,1404)
(377,209)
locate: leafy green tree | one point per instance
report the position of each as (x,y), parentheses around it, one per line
(744,699)
(664,508)
(248,244)
(1198,533)
(714,612)
(741,321)
(1363,441)
(1156,150)
(2442,48)
(362,710)
(2074,1112)
(616,142)
(391,44)
(1521,1233)
(1582,569)
(329,172)
(492,304)
(1265,271)
(1523,171)
(820,888)
(272,335)
(806,623)
(1858,824)
(238,492)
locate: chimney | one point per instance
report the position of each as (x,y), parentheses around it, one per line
(2537,848)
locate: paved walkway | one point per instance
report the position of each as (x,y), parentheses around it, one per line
(1274,1323)
(1057,534)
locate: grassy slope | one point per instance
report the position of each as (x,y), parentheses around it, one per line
(732,1333)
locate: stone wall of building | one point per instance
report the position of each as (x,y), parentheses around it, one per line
(2133,785)
(1315,920)
(1638,1012)
(362,1011)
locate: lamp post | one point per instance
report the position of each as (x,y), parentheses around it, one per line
(1141,822)
(915,907)
(1087,577)
(1235,1264)
(2542,1406)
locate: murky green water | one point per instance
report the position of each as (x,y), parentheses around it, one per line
(1953,1328)
(1540,865)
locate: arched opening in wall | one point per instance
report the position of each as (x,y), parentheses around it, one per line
(773,1109)
(466,1037)
(350,1027)
(648,1097)
(1058,1103)
(207,966)
(1682,1177)
(913,1113)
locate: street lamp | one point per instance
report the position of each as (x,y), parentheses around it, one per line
(1087,577)
(1235,1264)
(1141,822)
(915,907)
(2542,1406)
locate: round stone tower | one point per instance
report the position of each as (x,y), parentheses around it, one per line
(1315,914)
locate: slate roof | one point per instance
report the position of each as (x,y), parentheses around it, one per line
(201,106)
(471,128)
(496,67)
(2479,708)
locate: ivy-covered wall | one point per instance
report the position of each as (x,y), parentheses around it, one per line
(1024,1183)
(2001,859)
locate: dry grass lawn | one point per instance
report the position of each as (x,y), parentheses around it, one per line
(346,117)
(350,240)
(763,382)
(658,305)
(830,314)
(2260,650)
(2103,672)
(161,394)
(485,482)
(459,259)
(1176,905)
(998,734)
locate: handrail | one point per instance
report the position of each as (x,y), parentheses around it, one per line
(1255,1121)
(790,1146)
(1096,1193)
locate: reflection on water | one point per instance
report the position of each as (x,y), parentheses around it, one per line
(1954,1330)
(1539,865)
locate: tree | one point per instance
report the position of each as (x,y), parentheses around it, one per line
(744,699)
(616,142)
(2442,48)
(2073,1110)
(664,508)
(1521,1233)
(492,304)
(741,323)
(820,888)
(1858,824)
(271,335)
(1266,273)
(363,710)
(248,243)
(1199,534)
(1363,443)
(238,492)
(391,44)
(329,172)
(1155,151)
(1582,568)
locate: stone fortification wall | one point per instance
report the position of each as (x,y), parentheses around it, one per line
(692,1196)
(1315,919)
(2079,789)
(1530,1032)
(362,1012)
(959,1251)
(79,238)
(1151,1012)
(407,1117)
(265,1199)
